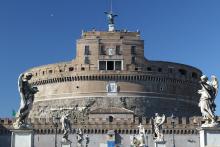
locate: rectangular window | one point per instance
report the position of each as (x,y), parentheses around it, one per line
(118,51)
(102,50)
(133,50)
(149,69)
(117,65)
(71,68)
(133,60)
(86,52)
(182,72)
(194,75)
(170,69)
(110,65)
(102,65)
(86,60)
(160,69)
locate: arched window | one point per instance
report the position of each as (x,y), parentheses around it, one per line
(149,69)
(71,68)
(110,118)
(194,75)
(183,72)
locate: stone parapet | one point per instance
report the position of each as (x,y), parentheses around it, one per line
(42,126)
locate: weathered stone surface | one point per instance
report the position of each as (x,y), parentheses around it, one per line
(144,85)
(143,88)
(47,140)
(22,138)
(210,137)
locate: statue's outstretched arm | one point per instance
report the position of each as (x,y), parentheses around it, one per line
(215,84)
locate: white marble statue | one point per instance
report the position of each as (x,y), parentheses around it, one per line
(112,87)
(158,122)
(134,141)
(140,139)
(27,97)
(207,100)
(66,127)
(142,135)
(87,140)
(79,137)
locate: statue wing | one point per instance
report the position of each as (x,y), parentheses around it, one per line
(70,127)
(69,124)
(162,120)
(215,84)
(20,86)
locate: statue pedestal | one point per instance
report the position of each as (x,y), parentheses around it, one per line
(160,143)
(209,137)
(66,144)
(22,138)
(111,138)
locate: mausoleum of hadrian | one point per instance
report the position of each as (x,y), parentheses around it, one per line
(111,86)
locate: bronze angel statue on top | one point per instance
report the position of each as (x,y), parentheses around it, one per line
(207,104)
(111,17)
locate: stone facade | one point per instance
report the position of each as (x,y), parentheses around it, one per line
(110,85)
(104,57)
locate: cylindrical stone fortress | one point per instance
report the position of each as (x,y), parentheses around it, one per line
(110,70)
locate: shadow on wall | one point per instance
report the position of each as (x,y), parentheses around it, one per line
(5,137)
(118,139)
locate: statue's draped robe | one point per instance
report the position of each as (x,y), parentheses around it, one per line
(25,95)
(66,126)
(206,102)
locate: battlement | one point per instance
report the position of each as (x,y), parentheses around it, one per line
(6,121)
(135,121)
(107,77)
(120,34)
(162,69)
(182,125)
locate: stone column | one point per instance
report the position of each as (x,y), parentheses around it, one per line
(209,137)
(160,143)
(66,144)
(111,138)
(22,138)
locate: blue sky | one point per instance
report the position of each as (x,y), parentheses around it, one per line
(37,32)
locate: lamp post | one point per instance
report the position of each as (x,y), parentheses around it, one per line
(87,140)
(56,121)
(173,123)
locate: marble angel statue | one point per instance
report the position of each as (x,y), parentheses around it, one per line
(140,139)
(66,127)
(207,100)
(27,97)
(79,138)
(158,122)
